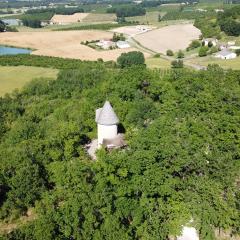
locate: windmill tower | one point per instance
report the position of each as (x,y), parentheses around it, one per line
(107,123)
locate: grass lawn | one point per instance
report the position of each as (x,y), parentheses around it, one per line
(226,64)
(158,63)
(15,77)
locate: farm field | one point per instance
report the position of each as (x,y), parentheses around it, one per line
(158,63)
(174,37)
(65,19)
(16,77)
(226,64)
(66,44)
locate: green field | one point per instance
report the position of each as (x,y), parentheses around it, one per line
(16,77)
(158,63)
(226,64)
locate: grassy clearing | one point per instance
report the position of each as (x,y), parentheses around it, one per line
(226,64)
(149,18)
(158,63)
(16,77)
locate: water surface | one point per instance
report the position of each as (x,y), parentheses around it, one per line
(13,51)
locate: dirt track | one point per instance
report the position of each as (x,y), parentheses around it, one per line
(65,44)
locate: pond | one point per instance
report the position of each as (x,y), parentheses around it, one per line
(12,50)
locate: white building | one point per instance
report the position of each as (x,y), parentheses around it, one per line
(226,54)
(123,44)
(105,44)
(107,123)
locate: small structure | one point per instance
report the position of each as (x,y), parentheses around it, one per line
(226,54)
(106,44)
(108,136)
(107,122)
(214,41)
(122,44)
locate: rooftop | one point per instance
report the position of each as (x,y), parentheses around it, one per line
(106,115)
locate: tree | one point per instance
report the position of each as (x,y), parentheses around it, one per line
(170,52)
(237,52)
(180,54)
(2,26)
(177,64)
(194,44)
(131,58)
(203,51)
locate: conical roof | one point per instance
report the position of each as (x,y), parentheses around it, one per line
(106,115)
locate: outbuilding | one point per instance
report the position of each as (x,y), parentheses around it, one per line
(226,54)
(123,44)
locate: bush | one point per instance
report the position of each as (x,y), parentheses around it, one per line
(194,44)
(213,50)
(203,51)
(157,55)
(2,26)
(180,54)
(131,58)
(237,52)
(177,64)
(170,52)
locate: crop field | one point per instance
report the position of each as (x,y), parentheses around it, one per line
(66,44)
(16,77)
(226,64)
(65,19)
(174,37)
(149,18)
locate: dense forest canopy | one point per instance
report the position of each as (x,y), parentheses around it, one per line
(182,159)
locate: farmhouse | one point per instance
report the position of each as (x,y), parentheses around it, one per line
(123,44)
(226,54)
(105,44)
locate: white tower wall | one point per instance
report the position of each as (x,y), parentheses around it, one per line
(106,132)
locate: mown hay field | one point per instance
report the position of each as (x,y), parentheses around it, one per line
(66,44)
(174,37)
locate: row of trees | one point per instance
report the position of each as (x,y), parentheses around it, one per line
(127,11)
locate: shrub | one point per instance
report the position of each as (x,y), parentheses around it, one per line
(157,55)
(180,54)
(170,52)
(214,49)
(237,52)
(203,51)
(177,64)
(194,44)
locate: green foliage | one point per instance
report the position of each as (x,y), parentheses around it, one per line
(182,159)
(2,26)
(237,52)
(170,52)
(229,21)
(127,11)
(99,26)
(177,64)
(180,54)
(131,58)
(194,44)
(203,51)
(118,37)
